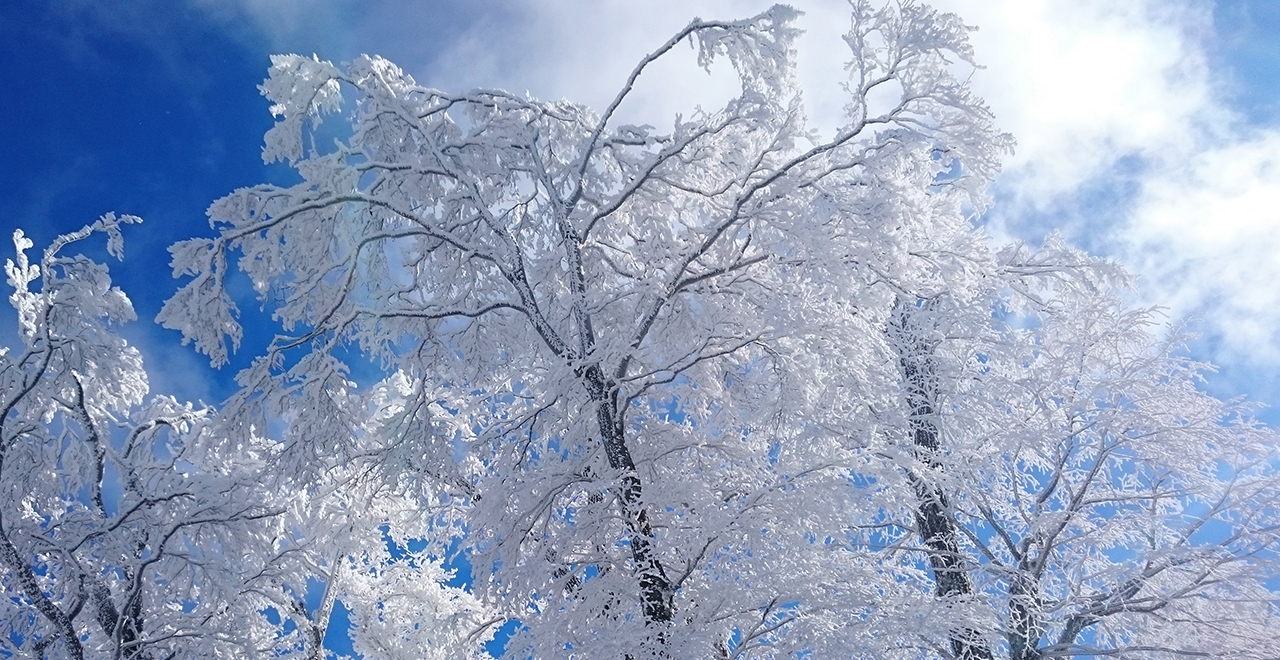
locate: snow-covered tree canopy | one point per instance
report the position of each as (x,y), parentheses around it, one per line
(135,527)
(729,390)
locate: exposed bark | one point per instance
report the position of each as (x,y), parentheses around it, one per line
(933,513)
(656,591)
(109,619)
(314,630)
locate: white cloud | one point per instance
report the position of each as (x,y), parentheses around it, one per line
(1082,83)
(1205,234)
(584,52)
(1123,135)
(1076,81)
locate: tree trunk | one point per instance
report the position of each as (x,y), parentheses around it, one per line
(1024,633)
(109,618)
(933,512)
(656,592)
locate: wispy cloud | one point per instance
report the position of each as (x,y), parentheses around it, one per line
(1127,136)
(1205,232)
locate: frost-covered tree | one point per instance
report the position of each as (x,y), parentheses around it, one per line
(609,314)
(1072,483)
(354,515)
(100,510)
(130,527)
(728,390)
(1092,496)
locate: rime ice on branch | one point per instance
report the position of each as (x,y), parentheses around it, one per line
(139,528)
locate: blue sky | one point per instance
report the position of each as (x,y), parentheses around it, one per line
(1148,130)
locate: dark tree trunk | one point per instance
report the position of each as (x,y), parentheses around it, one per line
(315,631)
(933,512)
(656,592)
(109,618)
